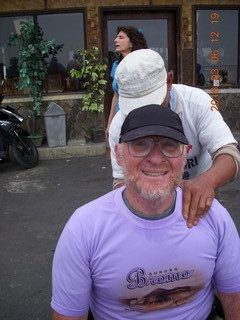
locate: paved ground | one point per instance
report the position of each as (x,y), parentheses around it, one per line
(35,205)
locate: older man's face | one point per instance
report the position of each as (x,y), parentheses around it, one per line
(153,176)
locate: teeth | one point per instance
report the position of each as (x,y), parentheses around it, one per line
(155,174)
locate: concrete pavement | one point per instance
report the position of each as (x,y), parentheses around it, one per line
(73,149)
(35,205)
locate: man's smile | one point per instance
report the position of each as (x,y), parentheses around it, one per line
(155,174)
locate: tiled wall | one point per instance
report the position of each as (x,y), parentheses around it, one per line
(78,122)
(230,109)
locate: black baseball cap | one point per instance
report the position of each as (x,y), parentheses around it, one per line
(152,120)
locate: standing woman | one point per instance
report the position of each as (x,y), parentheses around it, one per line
(128,39)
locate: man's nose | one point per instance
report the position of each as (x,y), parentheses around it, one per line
(156,153)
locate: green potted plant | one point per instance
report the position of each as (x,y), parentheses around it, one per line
(34,52)
(92,70)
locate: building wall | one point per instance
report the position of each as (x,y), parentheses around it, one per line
(229,108)
(186,52)
(229,101)
(78,122)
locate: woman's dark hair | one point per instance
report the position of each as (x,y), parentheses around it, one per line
(136,37)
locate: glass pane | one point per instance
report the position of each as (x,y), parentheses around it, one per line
(154,30)
(7,26)
(67,29)
(217,47)
(62,27)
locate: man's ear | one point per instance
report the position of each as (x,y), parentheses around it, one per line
(117,153)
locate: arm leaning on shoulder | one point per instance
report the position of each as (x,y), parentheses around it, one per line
(215,136)
(58,316)
(199,192)
(231,305)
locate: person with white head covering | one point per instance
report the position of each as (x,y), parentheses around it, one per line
(214,158)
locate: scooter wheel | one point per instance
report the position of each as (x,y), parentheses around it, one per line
(25,154)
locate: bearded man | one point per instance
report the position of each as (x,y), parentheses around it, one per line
(130,255)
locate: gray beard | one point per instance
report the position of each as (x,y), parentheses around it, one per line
(148,192)
(156,193)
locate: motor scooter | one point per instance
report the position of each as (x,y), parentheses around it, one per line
(14,139)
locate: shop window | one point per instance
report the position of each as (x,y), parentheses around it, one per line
(67,29)
(58,26)
(9,56)
(217,44)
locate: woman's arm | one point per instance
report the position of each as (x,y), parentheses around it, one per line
(112,113)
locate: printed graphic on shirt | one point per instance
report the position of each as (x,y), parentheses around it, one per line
(190,163)
(159,298)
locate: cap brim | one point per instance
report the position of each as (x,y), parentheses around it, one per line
(156,97)
(154,131)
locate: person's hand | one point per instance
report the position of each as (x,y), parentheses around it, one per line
(197,199)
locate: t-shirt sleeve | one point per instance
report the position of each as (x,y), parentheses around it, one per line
(71,277)
(227,268)
(213,131)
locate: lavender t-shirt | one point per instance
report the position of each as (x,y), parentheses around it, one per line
(126,267)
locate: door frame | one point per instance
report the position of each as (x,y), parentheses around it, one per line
(172,14)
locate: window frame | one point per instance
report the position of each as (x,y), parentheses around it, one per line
(172,13)
(35,14)
(214,8)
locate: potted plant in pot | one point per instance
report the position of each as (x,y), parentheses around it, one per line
(34,52)
(92,70)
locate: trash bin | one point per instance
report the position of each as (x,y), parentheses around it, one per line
(55,125)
